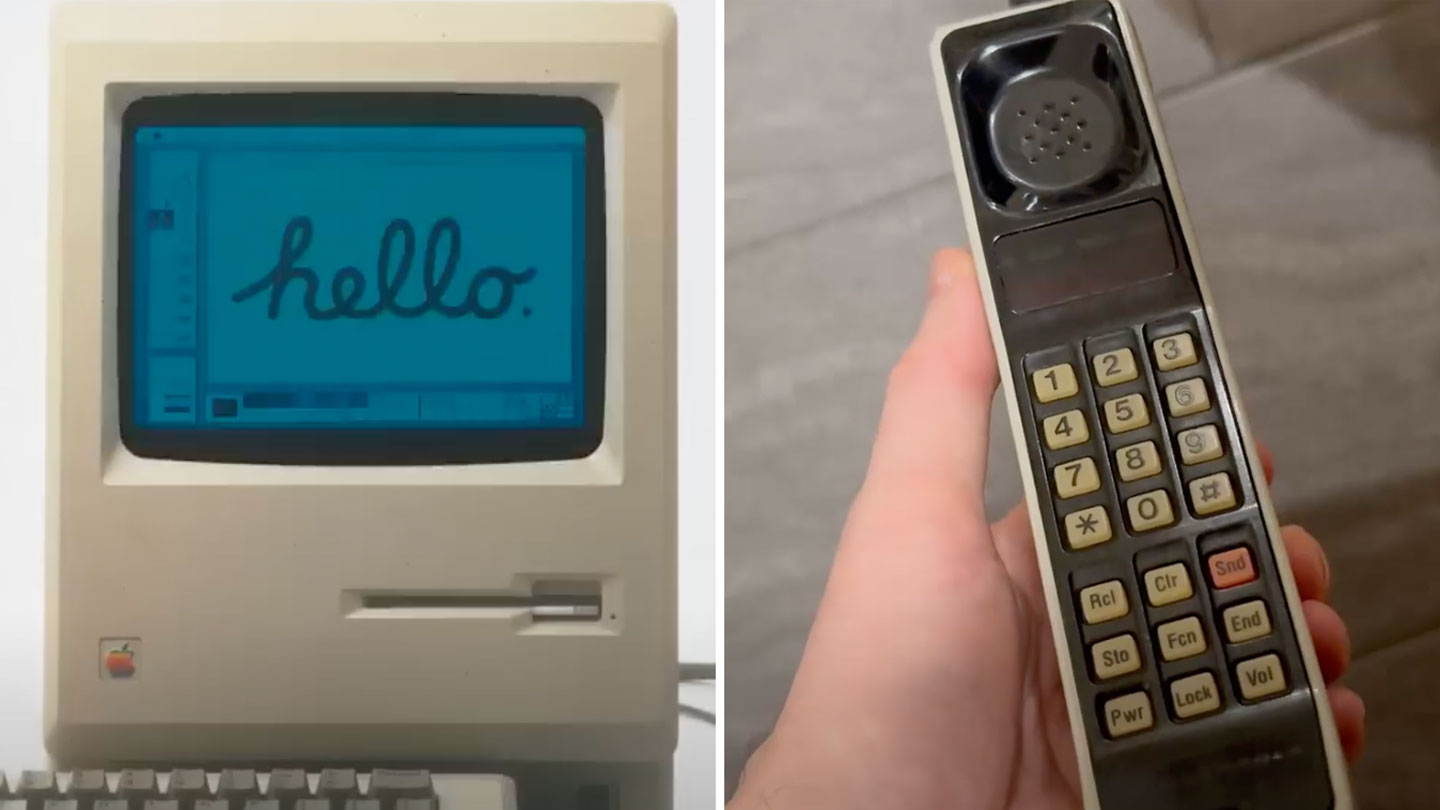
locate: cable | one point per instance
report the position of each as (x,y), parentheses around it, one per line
(703,715)
(696,671)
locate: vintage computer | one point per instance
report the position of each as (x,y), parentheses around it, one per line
(362,406)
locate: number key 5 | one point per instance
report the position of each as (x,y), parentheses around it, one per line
(1126,413)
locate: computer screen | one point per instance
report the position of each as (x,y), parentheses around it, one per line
(361,278)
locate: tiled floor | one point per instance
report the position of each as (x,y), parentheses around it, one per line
(1307,138)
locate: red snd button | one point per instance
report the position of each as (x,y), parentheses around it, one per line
(1231,568)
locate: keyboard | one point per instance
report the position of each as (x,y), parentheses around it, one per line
(248,789)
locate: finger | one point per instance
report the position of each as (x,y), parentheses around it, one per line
(1307,561)
(1349,711)
(1267,461)
(936,422)
(1332,639)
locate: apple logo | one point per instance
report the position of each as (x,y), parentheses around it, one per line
(120,662)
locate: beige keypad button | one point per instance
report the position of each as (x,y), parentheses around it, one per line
(1186,397)
(1087,527)
(1174,351)
(1103,602)
(1212,493)
(1066,430)
(1246,621)
(1055,382)
(1260,677)
(1194,695)
(1127,714)
(1149,510)
(1181,638)
(1113,368)
(1114,657)
(1200,444)
(1137,461)
(1076,477)
(1167,584)
(1126,413)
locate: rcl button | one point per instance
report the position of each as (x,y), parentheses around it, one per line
(1231,568)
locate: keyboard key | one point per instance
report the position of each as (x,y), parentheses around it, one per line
(212,804)
(1128,714)
(1168,584)
(1087,527)
(236,785)
(1246,621)
(1103,602)
(1212,493)
(262,804)
(1065,430)
(36,786)
(1194,695)
(1231,568)
(387,785)
(1055,382)
(1114,657)
(1181,639)
(61,804)
(86,786)
(137,785)
(1076,477)
(1200,444)
(1175,351)
(1149,510)
(1260,677)
(1137,461)
(112,804)
(187,785)
(1113,368)
(1187,396)
(337,785)
(314,804)
(288,785)
(161,804)
(1126,413)
(417,804)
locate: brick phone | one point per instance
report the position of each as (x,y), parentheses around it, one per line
(1189,674)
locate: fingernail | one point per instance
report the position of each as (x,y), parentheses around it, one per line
(941,279)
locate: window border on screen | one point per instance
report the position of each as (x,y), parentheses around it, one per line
(369,446)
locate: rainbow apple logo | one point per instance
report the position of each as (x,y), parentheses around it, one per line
(119,661)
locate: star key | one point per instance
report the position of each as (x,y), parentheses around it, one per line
(1087,527)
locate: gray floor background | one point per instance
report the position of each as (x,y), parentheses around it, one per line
(1305,134)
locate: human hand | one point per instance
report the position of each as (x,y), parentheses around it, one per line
(930,679)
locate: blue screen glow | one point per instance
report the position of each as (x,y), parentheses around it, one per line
(326,277)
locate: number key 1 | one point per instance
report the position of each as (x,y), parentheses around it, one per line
(1055,382)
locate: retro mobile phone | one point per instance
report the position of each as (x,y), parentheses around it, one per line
(1190,679)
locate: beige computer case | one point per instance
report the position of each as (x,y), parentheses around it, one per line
(239,580)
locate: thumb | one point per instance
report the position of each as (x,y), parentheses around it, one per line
(935,427)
